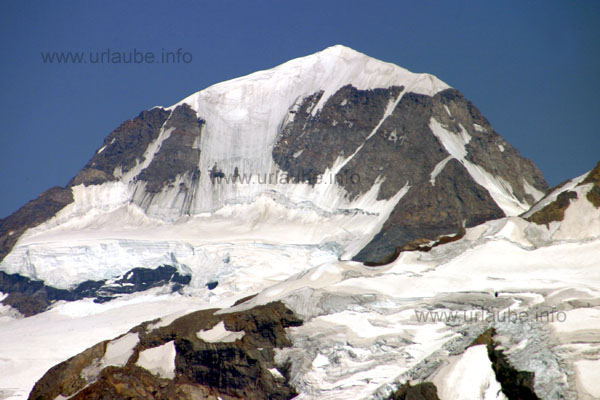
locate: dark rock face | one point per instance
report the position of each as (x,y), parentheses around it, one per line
(346,120)
(31,297)
(593,195)
(178,153)
(203,370)
(66,376)
(424,245)
(31,214)
(124,147)
(515,384)
(488,150)
(422,391)
(554,211)
(428,211)
(402,151)
(593,176)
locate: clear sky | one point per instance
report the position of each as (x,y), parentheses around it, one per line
(532,68)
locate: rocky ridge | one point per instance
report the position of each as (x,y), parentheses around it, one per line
(193,357)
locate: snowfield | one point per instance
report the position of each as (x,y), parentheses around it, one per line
(368,329)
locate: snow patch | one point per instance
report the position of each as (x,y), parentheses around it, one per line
(298,153)
(469,377)
(276,374)
(438,168)
(531,190)
(219,334)
(567,186)
(448,111)
(320,361)
(119,350)
(581,220)
(588,377)
(159,360)
(147,157)
(499,189)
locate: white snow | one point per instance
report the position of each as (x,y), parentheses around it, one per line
(479,128)
(219,334)
(569,185)
(327,70)
(101,149)
(581,219)
(469,377)
(448,111)
(147,157)
(159,360)
(298,153)
(588,376)
(531,190)
(438,168)
(244,116)
(31,346)
(363,318)
(116,226)
(275,372)
(119,350)
(320,361)
(499,189)
(452,142)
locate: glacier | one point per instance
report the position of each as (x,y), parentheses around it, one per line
(362,334)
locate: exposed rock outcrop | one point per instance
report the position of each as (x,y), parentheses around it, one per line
(554,211)
(206,363)
(421,391)
(516,385)
(381,141)
(123,148)
(45,206)
(562,196)
(594,194)
(31,297)
(178,154)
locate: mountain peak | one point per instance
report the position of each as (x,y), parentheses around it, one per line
(326,70)
(404,154)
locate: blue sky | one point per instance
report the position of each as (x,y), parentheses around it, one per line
(532,68)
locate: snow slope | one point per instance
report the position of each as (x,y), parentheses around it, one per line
(368,329)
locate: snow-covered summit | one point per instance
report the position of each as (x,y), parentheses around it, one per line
(327,70)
